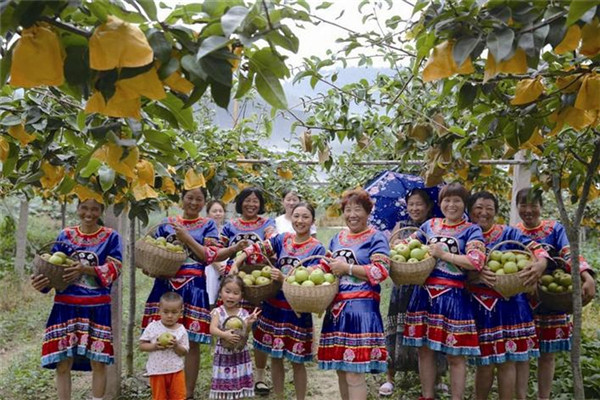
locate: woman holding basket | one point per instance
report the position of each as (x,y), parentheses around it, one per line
(553,328)
(506,329)
(250,227)
(280,332)
(78,334)
(352,338)
(200,236)
(440,314)
(403,358)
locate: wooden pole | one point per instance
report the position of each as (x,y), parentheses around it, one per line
(521,179)
(22,238)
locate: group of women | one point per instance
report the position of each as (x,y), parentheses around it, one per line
(455,315)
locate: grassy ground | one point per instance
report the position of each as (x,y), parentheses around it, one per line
(23,314)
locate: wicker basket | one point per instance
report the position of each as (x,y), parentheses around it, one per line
(239,346)
(156,261)
(257,294)
(405,273)
(53,272)
(561,302)
(511,284)
(310,299)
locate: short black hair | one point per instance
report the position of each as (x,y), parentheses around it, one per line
(309,207)
(202,189)
(529,195)
(247,192)
(171,297)
(422,194)
(482,195)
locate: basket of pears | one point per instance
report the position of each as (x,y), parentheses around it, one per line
(238,326)
(309,289)
(411,263)
(555,289)
(52,265)
(258,283)
(507,265)
(159,257)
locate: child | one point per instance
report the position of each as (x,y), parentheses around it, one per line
(166,359)
(232,370)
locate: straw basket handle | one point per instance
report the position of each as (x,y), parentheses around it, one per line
(153,227)
(44,246)
(315,257)
(509,242)
(413,228)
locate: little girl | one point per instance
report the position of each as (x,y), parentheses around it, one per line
(232,370)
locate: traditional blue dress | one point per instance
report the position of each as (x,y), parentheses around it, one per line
(553,328)
(254,231)
(279,331)
(440,313)
(505,326)
(190,280)
(79,325)
(352,337)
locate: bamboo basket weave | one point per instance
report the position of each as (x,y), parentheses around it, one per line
(405,273)
(562,302)
(310,299)
(510,284)
(239,346)
(257,294)
(53,272)
(156,261)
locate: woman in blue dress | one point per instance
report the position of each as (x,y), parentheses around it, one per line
(201,238)
(506,329)
(553,328)
(250,227)
(279,332)
(440,314)
(352,338)
(78,334)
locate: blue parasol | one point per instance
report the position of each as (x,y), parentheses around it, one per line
(389,190)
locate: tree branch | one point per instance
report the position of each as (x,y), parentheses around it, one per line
(267,13)
(545,22)
(66,27)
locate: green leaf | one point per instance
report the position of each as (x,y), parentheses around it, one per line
(81,120)
(66,185)
(324,5)
(8,165)
(107,177)
(578,8)
(217,69)
(233,18)
(91,168)
(183,115)
(149,7)
(77,65)
(99,9)
(5,66)
(499,42)
(11,120)
(162,113)
(221,94)
(270,89)
(167,69)
(287,40)
(189,63)
(244,85)
(211,44)
(467,95)
(265,59)
(463,48)
(197,93)
(160,45)
(191,148)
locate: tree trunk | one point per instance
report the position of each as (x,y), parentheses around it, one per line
(572,227)
(113,372)
(22,238)
(131,323)
(63,214)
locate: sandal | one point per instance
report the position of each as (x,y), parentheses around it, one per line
(261,388)
(387,389)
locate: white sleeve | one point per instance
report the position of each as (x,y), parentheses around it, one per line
(149,333)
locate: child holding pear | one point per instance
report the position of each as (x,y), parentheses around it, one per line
(167,341)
